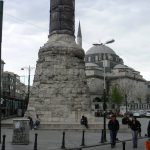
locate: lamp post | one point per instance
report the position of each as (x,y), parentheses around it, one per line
(29,75)
(1,23)
(104,90)
(104,94)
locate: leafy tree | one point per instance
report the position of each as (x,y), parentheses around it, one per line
(116,96)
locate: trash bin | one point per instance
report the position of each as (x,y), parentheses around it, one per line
(147,145)
(20,131)
(19,112)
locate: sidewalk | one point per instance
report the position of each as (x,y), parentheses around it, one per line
(51,140)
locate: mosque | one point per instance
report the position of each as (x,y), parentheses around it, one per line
(106,70)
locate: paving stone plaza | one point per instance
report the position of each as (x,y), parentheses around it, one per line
(52,139)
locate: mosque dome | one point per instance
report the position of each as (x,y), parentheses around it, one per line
(100,48)
(100,52)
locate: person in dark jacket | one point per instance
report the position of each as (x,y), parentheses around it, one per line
(148,129)
(125,119)
(30,122)
(113,126)
(135,125)
(84,121)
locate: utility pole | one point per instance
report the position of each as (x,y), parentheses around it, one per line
(29,78)
(1,23)
(29,74)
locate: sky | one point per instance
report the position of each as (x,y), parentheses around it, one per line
(26,28)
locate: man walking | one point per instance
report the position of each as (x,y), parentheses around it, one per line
(113,126)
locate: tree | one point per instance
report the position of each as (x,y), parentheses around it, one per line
(116,96)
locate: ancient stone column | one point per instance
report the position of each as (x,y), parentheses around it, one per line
(62,17)
(60,91)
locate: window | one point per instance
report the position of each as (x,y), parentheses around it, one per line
(96,58)
(89,59)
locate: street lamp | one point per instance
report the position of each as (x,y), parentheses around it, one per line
(1,23)
(104,90)
(29,75)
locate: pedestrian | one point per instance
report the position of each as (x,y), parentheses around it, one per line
(134,124)
(139,130)
(84,121)
(30,122)
(113,126)
(148,129)
(37,122)
(125,120)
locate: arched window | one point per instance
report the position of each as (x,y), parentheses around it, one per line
(89,59)
(96,58)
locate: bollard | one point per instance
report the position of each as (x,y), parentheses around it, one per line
(102,137)
(35,142)
(3,143)
(83,141)
(124,145)
(63,141)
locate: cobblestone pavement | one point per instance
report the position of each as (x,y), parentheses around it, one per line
(52,139)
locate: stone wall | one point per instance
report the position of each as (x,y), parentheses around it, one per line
(60,92)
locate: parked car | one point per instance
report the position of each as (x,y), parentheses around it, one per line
(136,114)
(139,113)
(147,114)
(129,113)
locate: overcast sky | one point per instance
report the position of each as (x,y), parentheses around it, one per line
(26,26)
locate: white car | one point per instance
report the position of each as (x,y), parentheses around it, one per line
(139,113)
(147,114)
(136,114)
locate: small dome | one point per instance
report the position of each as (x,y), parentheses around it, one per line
(100,49)
(120,66)
(91,65)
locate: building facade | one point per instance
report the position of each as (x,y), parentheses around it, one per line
(13,95)
(104,66)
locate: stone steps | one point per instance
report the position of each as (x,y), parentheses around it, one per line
(55,126)
(67,126)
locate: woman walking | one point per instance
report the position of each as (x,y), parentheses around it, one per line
(135,125)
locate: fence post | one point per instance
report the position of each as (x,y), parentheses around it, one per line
(124,145)
(83,141)
(63,141)
(3,143)
(35,142)
(102,137)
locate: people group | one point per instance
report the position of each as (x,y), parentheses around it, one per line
(133,124)
(34,124)
(113,126)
